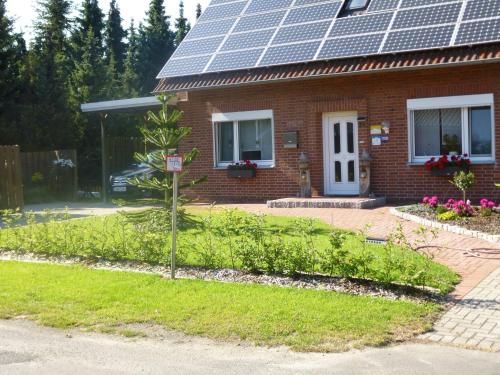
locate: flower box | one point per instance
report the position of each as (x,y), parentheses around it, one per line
(241,173)
(448,171)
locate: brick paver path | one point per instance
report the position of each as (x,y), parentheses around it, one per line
(475,320)
(472,258)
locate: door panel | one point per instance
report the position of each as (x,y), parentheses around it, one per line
(341,155)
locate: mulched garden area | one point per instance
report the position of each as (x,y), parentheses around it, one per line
(486,224)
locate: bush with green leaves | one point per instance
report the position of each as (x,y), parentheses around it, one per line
(230,239)
(463,181)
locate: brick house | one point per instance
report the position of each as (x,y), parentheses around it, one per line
(383,80)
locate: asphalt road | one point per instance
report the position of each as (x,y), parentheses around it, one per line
(26,348)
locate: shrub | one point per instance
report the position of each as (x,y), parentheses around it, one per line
(448,216)
(430,201)
(463,181)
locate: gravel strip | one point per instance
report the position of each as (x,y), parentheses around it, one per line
(317,282)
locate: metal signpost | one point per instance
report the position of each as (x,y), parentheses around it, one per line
(174,165)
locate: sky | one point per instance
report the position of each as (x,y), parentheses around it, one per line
(24,11)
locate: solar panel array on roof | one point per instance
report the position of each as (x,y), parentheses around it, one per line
(244,34)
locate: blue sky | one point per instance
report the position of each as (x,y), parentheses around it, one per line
(23,11)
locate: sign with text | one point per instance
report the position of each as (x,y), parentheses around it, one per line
(174,163)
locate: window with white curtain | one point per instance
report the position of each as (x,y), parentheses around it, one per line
(243,136)
(451,126)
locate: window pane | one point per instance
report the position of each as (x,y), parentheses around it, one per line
(426,123)
(266,139)
(249,142)
(451,131)
(256,140)
(350,171)
(350,137)
(338,171)
(336,137)
(480,131)
(226,141)
(357,4)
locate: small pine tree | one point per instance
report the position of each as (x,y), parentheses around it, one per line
(182,25)
(198,10)
(162,133)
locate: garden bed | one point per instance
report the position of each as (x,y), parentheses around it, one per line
(483,227)
(231,239)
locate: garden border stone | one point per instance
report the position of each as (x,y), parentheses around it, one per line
(493,238)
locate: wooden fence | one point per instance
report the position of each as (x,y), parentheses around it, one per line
(121,150)
(11,185)
(40,170)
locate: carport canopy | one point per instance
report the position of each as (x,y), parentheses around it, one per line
(105,108)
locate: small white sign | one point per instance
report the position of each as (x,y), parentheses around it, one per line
(174,163)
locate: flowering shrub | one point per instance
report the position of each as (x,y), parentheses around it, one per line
(462,208)
(244,165)
(460,161)
(431,201)
(486,203)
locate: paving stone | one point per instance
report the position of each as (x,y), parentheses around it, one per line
(474,321)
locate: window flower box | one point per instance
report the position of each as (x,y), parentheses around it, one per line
(245,169)
(448,166)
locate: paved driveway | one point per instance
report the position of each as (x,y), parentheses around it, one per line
(27,349)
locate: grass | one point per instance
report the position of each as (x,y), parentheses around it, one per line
(305,320)
(113,238)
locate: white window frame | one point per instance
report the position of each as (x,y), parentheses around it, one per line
(236,117)
(465,102)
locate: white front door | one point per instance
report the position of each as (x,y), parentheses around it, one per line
(340,144)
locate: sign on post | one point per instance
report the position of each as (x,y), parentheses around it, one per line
(174,165)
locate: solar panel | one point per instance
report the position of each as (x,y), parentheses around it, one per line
(482,9)
(248,40)
(185,66)
(377,5)
(259,21)
(418,3)
(478,31)
(313,13)
(351,46)
(235,60)
(190,48)
(407,40)
(223,11)
(302,32)
(427,16)
(266,5)
(362,24)
(220,27)
(243,34)
(290,53)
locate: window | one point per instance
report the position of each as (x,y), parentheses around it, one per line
(357,4)
(451,126)
(244,136)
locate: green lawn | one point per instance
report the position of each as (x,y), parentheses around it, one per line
(204,240)
(305,320)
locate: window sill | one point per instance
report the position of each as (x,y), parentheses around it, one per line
(473,162)
(224,168)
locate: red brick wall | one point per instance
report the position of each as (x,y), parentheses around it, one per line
(298,105)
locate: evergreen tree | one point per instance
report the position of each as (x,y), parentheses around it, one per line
(198,10)
(91,17)
(12,79)
(114,40)
(155,47)
(130,78)
(49,124)
(182,25)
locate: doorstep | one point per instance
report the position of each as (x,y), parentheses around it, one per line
(328,202)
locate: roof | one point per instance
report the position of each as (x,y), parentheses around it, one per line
(232,35)
(385,63)
(123,105)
